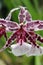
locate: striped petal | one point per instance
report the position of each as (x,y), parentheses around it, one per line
(35,24)
(28,16)
(10,25)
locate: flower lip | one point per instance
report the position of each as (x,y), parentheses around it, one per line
(19,50)
(34,51)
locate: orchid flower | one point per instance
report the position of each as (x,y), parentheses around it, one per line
(23,34)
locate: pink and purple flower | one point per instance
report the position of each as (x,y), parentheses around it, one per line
(23,33)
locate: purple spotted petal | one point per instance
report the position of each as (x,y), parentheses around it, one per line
(24,15)
(40,26)
(12,24)
(9,25)
(28,16)
(36,25)
(21,15)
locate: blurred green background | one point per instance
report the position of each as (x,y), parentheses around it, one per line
(35,7)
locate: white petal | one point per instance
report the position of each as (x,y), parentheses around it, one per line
(18,50)
(35,51)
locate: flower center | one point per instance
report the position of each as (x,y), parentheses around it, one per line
(21,35)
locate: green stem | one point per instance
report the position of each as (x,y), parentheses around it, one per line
(37,60)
